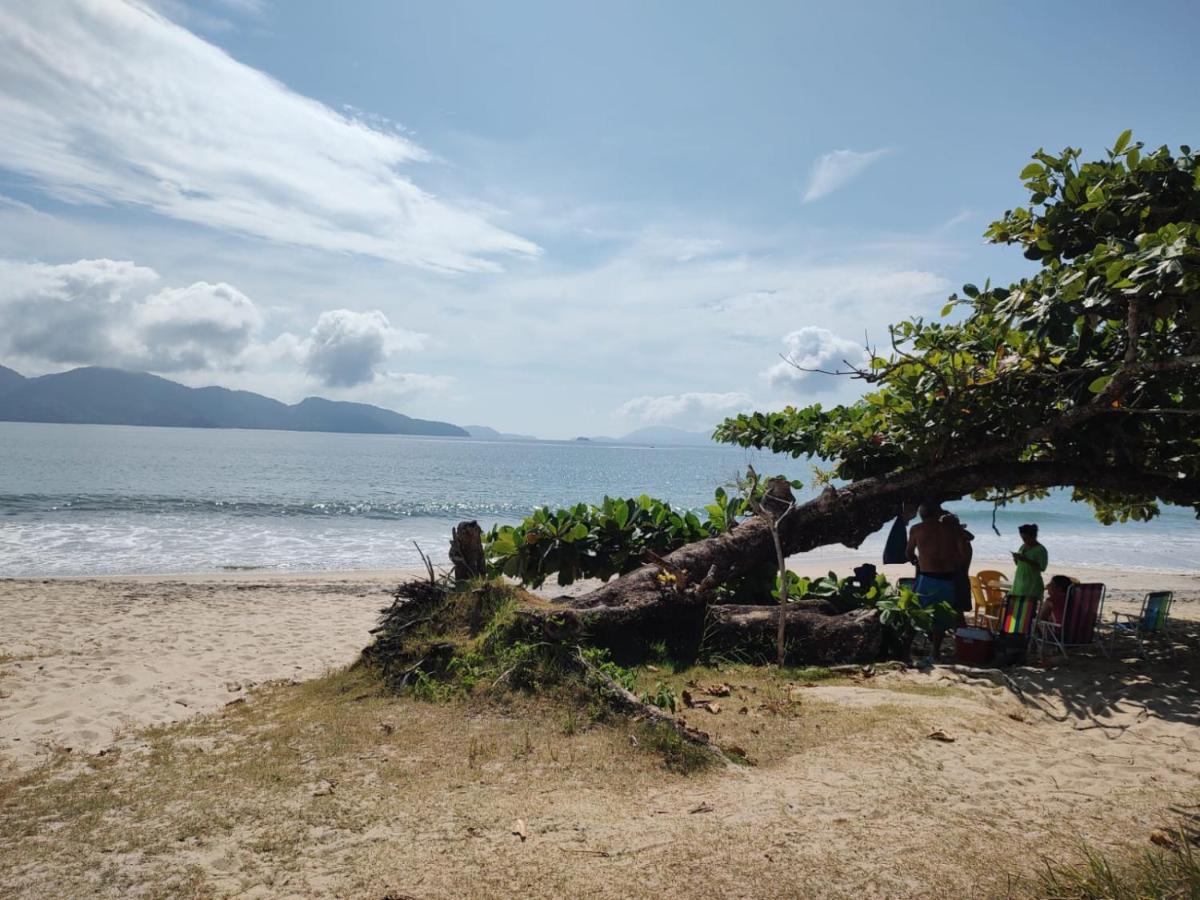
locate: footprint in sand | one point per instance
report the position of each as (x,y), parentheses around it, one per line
(121,679)
(46,720)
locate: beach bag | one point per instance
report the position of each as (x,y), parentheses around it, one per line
(896,549)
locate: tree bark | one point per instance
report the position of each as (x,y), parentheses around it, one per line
(466,551)
(811,637)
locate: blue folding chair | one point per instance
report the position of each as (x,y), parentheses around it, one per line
(1152,621)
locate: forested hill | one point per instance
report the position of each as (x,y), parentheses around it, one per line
(115,397)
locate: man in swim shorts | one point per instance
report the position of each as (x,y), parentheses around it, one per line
(935,548)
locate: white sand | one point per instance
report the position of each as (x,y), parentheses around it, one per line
(84,660)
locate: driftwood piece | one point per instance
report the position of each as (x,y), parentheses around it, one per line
(812,636)
(627,702)
(815,633)
(466,551)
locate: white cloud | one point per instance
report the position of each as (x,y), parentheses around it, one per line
(114,313)
(195,323)
(108,102)
(100,312)
(811,347)
(347,348)
(691,409)
(837,168)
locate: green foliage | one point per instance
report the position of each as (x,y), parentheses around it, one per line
(1044,370)
(901,613)
(724,511)
(843,593)
(602,660)
(663,696)
(585,541)
(797,586)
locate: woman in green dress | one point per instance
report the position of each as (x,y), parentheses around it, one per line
(1031,560)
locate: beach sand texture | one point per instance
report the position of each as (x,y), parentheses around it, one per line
(84,660)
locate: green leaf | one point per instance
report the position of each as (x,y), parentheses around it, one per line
(970,290)
(947,308)
(1033,170)
(1122,141)
(1099,384)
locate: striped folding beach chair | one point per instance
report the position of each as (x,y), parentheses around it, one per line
(1017,616)
(1012,628)
(1151,621)
(1085,606)
(1078,624)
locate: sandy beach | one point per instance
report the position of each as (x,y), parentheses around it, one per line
(83,661)
(274,782)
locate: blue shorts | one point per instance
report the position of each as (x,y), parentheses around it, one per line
(932,591)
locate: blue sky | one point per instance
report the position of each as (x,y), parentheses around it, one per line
(551,218)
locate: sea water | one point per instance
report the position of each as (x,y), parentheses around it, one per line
(99,499)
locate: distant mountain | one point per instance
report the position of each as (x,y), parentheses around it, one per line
(9,379)
(115,397)
(484,433)
(656,434)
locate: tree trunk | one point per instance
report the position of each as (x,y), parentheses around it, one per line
(466,551)
(851,514)
(811,637)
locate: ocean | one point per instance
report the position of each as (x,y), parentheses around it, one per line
(99,499)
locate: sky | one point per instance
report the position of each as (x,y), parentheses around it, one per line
(551,218)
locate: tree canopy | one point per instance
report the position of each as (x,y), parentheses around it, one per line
(1085,374)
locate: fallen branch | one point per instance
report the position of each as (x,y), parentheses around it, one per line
(628,702)
(428,563)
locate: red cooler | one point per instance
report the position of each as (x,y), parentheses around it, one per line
(973,646)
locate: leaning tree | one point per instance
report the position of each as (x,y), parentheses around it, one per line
(1085,375)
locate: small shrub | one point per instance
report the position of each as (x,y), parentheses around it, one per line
(663,696)
(602,660)
(678,755)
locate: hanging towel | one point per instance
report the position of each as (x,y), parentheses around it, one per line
(896,549)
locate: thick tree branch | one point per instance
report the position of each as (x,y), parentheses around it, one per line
(850,514)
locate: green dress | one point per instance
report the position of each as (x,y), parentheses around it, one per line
(1027,581)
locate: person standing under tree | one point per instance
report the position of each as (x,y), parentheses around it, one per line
(1031,560)
(935,548)
(962,577)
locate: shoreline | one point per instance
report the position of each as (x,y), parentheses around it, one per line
(805,565)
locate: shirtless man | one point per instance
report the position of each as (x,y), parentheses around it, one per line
(935,548)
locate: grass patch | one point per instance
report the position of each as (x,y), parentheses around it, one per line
(678,755)
(261,786)
(1173,872)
